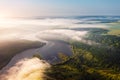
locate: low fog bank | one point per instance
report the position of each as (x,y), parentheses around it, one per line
(40,30)
(26,69)
(35,29)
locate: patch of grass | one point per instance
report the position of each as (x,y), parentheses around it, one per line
(114,28)
(37,56)
(114,32)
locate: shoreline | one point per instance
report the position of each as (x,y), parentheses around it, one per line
(52,48)
(12,48)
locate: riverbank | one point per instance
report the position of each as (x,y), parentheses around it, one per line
(10,48)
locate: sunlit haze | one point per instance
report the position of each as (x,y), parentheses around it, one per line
(59,39)
(33,8)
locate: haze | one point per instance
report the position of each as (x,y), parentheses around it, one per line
(33,8)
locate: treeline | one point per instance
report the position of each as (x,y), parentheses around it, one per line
(84,65)
(90,62)
(99,56)
(102,38)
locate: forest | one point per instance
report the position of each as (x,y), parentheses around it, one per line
(100,61)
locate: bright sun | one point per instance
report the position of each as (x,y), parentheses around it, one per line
(3,16)
(4,20)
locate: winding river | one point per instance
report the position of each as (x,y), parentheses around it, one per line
(49,52)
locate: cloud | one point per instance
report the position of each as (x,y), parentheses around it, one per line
(61,34)
(38,30)
(26,69)
(47,27)
(47,23)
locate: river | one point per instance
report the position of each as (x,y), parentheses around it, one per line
(49,53)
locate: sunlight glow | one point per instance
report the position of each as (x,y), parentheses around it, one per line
(2,16)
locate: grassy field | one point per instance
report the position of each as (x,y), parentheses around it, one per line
(114,29)
(90,62)
(114,32)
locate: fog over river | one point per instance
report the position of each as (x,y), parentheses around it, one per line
(56,33)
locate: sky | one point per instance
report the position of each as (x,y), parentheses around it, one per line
(32,8)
